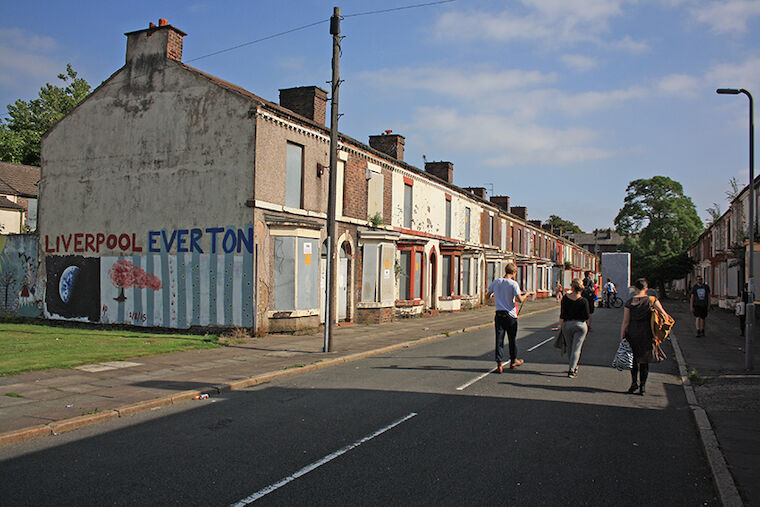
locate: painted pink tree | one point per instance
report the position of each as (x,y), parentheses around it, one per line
(124,275)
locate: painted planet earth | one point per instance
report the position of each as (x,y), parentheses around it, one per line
(66,285)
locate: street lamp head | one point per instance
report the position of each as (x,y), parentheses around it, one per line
(728,91)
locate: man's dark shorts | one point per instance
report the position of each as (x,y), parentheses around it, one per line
(700,312)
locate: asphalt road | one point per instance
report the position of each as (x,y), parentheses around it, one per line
(419,426)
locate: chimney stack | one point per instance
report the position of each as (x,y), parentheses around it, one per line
(520,211)
(501,201)
(390,144)
(155,43)
(537,223)
(308,101)
(478,191)
(442,170)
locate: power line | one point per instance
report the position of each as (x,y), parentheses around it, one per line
(297,29)
(383,11)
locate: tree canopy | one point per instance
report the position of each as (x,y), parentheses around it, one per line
(27,121)
(562,224)
(660,223)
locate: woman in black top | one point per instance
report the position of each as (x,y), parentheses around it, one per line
(573,317)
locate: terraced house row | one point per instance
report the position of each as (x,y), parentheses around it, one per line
(172,198)
(721,253)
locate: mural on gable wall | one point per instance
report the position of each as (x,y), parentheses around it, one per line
(72,288)
(20,290)
(178,291)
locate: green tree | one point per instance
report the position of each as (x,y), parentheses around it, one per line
(562,224)
(660,223)
(27,121)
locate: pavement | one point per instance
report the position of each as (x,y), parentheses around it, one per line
(723,397)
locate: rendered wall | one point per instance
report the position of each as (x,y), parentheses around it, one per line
(150,174)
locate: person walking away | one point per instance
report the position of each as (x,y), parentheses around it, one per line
(741,308)
(611,292)
(558,292)
(637,329)
(589,292)
(505,292)
(700,304)
(573,316)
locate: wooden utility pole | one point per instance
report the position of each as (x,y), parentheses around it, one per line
(332,254)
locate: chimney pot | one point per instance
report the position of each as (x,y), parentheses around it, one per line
(151,25)
(162,22)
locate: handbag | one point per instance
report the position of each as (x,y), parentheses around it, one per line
(624,356)
(560,342)
(739,310)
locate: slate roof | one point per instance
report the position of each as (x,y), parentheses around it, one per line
(17,179)
(7,204)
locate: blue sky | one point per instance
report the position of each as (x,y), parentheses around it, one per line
(556,103)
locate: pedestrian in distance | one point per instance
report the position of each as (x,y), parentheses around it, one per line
(611,291)
(637,329)
(573,317)
(505,292)
(700,304)
(741,308)
(589,292)
(559,291)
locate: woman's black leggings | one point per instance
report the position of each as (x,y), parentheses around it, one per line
(642,370)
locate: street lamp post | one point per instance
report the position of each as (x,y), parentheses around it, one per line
(750,312)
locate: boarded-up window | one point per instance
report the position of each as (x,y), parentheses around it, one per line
(374,191)
(467,216)
(408,206)
(296,273)
(294,175)
(448,218)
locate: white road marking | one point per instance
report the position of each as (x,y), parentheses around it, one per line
(534,347)
(481,377)
(468,384)
(305,470)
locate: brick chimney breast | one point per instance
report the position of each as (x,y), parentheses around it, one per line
(308,101)
(155,43)
(520,211)
(478,191)
(390,144)
(442,170)
(501,201)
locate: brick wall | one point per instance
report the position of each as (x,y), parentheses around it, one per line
(174,46)
(355,188)
(374,315)
(387,196)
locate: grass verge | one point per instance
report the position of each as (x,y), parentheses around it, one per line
(31,347)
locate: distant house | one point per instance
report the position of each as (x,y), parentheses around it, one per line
(598,242)
(18,197)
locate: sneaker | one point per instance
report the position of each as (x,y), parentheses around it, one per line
(572,373)
(515,363)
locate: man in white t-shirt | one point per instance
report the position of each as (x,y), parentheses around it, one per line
(505,292)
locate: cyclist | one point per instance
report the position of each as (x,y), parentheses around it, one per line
(611,292)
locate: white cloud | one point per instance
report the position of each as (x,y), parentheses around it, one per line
(629,45)
(680,84)
(580,63)
(586,102)
(21,39)
(727,16)
(550,22)
(737,75)
(503,142)
(23,57)
(460,83)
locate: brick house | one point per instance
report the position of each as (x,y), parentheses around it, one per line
(18,197)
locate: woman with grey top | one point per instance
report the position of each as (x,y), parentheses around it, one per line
(573,319)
